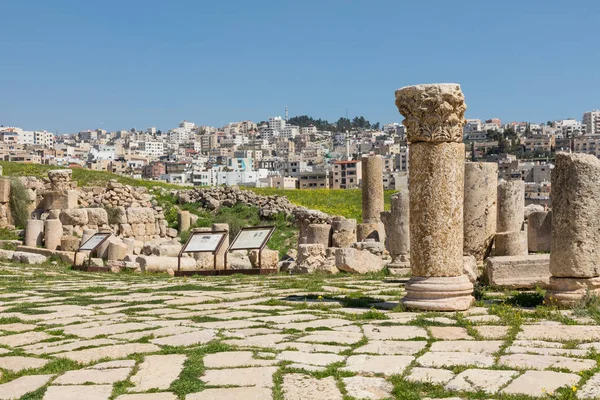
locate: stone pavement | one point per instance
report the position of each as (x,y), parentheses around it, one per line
(66,335)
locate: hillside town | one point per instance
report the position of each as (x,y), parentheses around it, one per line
(278,154)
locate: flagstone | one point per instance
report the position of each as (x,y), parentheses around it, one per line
(231,359)
(332,337)
(591,388)
(258,341)
(310,347)
(19,363)
(110,329)
(450,359)
(115,351)
(584,333)
(399,332)
(157,372)
(540,383)
(309,358)
(430,375)
(186,339)
(449,333)
(546,351)
(148,396)
(235,393)
(17,327)
(387,365)
(487,346)
(474,380)
(78,392)
(361,387)
(160,332)
(96,376)
(492,331)
(57,347)
(19,387)
(305,387)
(22,339)
(539,362)
(253,376)
(392,347)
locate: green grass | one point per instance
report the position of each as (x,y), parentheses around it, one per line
(344,202)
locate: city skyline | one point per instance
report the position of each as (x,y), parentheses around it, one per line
(75,66)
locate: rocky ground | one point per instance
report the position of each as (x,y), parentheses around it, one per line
(84,336)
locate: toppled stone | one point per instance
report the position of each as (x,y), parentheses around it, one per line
(357,261)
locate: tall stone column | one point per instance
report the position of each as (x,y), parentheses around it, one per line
(397,233)
(511,237)
(481,183)
(434,120)
(372,199)
(574,255)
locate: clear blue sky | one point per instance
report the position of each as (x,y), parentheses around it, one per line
(72,65)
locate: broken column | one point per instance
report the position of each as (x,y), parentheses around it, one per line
(318,234)
(184,221)
(574,255)
(372,200)
(53,232)
(539,231)
(397,234)
(34,232)
(434,120)
(481,182)
(343,232)
(511,237)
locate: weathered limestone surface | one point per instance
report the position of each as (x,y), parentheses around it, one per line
(184,220)
(575,227)
(436,208)
(372,188)
(397,230)
(60,179)
(34,232)
(481,183)
(539,231)
(518,272)
(318,234)
(53,232)
(512,243)
(511,206)
(343,232)
(434,117)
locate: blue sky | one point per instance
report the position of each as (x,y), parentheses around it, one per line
(73,65)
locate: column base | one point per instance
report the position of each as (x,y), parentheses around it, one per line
(400,266)
(570,291)
(375,230)
(439,293)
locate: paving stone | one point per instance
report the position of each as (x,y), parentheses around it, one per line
(19,363)
(17,327)
(116,351)
(286,319)
(22,339)
(244,333)
(95,376)
(307,367)
(374,332)
(78,392)
(266,341)
(540,383)
(532,361)
(591,389)
(245,393)
(484,318)
(332,337)
(474,380)
(449,359)
(111,329)
(584,333)
(387,365)
(430,375)
(392,347)
(254,376)
(305,387)
(546,351)
(449,333)
(309,358)
(19,387)
(114,364)
(160,332)
(492,331)
(186,339)
(468,346)
(310,347)
(230,359)
(148,396)
(48,348)
(362,387)
(317,323)
(157,372)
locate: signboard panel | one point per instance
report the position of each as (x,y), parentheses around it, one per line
(252,238)
(203,241)
(94,242)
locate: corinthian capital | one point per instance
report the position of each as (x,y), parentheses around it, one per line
(433,113)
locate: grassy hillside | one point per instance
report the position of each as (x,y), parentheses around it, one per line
(345,202)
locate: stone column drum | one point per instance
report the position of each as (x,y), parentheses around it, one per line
(539,231)
(319,234)
(343,232)
(372,199)
(397,233)
(434,120)
(574,255)
(183,221)
(511,238)
(53,232)
(34,232)
(481,183)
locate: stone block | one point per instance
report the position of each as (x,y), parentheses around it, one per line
(511,243)
(69,243)
(97,216)
(76,216)
(539,231)
(270,258)
(4,190)
(162,264)
(375,231)
(518,272)
(357,261)
(28,258)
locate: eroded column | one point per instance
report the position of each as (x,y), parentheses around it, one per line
(511,237)
(434,120)
(372,199)
(397,233)
(574,255)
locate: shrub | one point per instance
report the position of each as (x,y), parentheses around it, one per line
(19,203)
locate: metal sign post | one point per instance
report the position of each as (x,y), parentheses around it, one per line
(252,238)
(202,242)
(91,245)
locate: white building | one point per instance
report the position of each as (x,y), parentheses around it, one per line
(153,148)
(276,123)
(591,120)
(290,131)
(188,126)
(309,130)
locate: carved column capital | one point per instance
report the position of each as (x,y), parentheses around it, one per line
(433,113)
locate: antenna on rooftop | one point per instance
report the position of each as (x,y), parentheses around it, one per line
(286,113)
